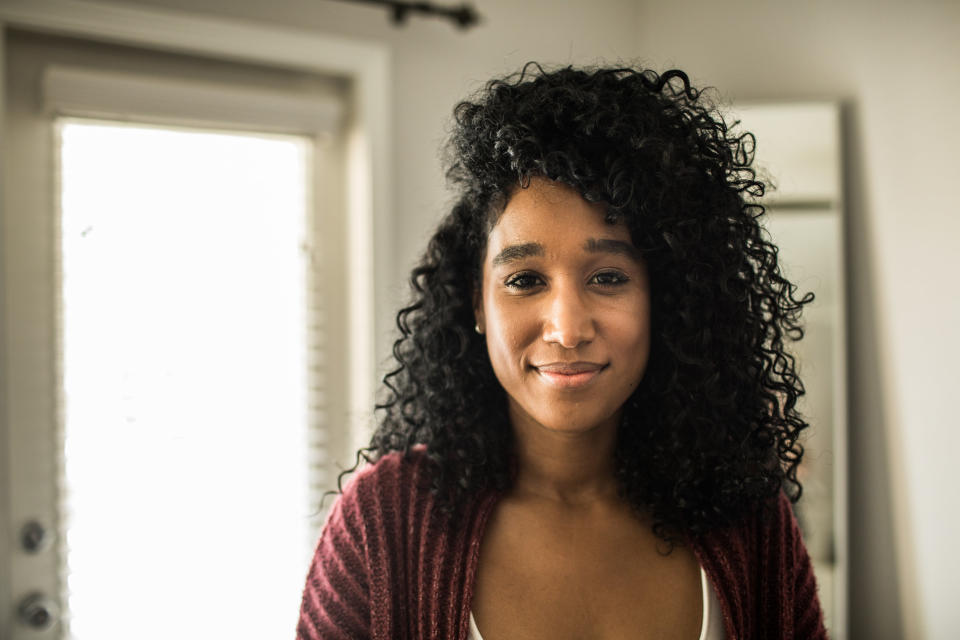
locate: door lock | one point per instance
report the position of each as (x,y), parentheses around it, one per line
(34,537)
(37,611)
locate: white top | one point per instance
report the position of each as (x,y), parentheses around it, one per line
(711,628)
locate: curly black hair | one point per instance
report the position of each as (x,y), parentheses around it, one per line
(712,431)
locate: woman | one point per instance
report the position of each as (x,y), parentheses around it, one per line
(591,431)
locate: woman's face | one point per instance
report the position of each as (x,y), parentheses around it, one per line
(565,307)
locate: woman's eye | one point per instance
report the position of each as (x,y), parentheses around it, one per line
(609,278)
(523,281)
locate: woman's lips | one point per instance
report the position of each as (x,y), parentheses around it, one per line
(569,375)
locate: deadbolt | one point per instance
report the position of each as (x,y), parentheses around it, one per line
(37,611)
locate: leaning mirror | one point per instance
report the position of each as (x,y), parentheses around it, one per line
(798,155)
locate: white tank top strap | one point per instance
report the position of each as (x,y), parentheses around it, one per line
(473,633)
(711,627)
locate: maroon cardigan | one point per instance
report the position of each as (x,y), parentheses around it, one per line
(385,569)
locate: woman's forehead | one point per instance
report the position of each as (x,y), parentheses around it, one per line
(551,213)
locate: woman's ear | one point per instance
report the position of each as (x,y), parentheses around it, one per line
(480,327)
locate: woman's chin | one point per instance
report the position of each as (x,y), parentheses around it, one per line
(569,423)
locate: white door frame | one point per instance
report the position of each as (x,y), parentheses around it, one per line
(364,63)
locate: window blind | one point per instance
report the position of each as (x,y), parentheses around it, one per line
(79,91)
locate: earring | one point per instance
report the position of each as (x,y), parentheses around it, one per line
(476,328)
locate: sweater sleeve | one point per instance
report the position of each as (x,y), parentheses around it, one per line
(336,598)
(807,613)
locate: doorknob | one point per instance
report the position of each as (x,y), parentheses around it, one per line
(37,611)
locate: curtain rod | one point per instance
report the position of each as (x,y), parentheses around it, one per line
(463,16)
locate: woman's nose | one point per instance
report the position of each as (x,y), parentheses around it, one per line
(569,319)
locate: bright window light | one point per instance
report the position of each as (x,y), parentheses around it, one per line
(184,292)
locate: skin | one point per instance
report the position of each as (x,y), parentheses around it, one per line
(565,308)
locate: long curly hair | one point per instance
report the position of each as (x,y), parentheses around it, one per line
(712,431)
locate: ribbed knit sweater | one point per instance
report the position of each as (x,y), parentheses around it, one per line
(389,567)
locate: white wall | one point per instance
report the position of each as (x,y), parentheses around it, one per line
(896,67)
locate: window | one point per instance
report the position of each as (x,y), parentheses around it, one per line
(186,361)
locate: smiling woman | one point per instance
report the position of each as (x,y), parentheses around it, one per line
(591,430)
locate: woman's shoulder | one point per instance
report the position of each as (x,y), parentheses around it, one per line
(741,553)
(775,523)
(760,564)
(364,540)
(770,528)
(393,472)
(388,488)
(771,518)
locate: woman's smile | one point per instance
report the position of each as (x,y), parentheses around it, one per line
(570,376)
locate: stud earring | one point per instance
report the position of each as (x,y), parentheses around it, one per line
(476,328)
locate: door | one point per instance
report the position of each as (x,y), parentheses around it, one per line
(145,474)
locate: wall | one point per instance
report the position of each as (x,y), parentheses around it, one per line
(896,67)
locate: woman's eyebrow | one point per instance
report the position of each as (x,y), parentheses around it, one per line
(609,245)
(518,252)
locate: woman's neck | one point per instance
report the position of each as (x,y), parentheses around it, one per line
(570,467)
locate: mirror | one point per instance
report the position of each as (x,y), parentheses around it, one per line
(798,156)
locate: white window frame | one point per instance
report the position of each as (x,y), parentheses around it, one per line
(366,184)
